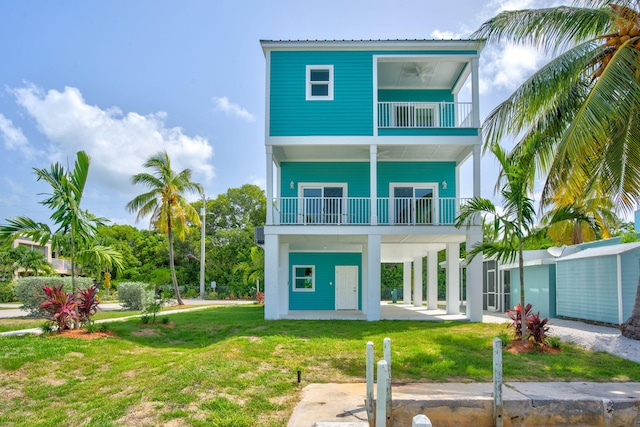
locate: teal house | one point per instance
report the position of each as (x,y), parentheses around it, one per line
(364,141)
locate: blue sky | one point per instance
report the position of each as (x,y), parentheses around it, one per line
(123,80)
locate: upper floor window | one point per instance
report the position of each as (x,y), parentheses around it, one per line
(320,82)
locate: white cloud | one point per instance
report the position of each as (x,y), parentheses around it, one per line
(508,65)
(223,104)
(118,143)
(445,35)
(14,139)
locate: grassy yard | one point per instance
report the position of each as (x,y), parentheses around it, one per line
(229,367)
(27,322)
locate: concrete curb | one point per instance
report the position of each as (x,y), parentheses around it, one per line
(454,404)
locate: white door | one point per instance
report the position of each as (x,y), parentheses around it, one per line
(347,287)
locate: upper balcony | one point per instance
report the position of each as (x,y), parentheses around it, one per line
(424,115)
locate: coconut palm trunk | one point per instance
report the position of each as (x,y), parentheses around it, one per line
(631,327)
(172,266)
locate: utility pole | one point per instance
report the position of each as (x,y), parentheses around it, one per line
(203,213)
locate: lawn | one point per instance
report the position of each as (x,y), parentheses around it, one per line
(229,367)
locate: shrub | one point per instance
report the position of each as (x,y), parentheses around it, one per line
(29,290)
(516,319)
(87,304)
(135,295)
(60,306)
(537,329)
(191,293)
(553,342)
(260,297)
(7,292)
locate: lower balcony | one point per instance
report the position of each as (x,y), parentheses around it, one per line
(357,211)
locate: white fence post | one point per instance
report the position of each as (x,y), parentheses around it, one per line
(421,421)
(369,374)
(497,381)
(387,358)
(383,381)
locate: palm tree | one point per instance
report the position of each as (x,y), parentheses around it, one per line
(170,211)
(252,271)
(512,225)
(35,261)
(579,115)
(76,227)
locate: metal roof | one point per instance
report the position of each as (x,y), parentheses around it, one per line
(602,251)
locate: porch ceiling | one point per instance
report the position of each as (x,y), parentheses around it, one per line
(360,153)
(412,73)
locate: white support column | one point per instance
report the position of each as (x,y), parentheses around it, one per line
(406,281)
(474,278)
(373,277)
(283,279)
(269,185)
(475,92)
(373,182)
(271,279)
(453,278)
(417,282)
(477,157)
(432,280)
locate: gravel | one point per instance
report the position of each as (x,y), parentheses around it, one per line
(588,336)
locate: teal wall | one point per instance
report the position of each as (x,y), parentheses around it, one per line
(405,95)
(587,289)
(630,276)
(323,298)
(539,291)
(349,113)
(355,174)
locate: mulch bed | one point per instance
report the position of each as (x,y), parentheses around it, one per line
(518,347)
(82,334)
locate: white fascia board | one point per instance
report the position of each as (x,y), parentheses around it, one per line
(369,140)
(476,45)
(364,230)
(529,263)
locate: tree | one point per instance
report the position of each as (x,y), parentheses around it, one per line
(170,212)
(512,225)
(579,115)
(76,227)
(253,270)
(34,261)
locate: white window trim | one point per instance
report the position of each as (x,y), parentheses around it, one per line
(313,278)
(310,97)
(433,185)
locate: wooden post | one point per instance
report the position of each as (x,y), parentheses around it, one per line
(421,421)
(381,407)
(369,403)
(387,358)
(497,381)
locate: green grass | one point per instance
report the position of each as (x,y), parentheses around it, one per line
(27,322)
(229,367)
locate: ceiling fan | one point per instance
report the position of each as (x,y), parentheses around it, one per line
(424,72)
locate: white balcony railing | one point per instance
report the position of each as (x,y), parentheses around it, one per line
(420,115)
(357,210)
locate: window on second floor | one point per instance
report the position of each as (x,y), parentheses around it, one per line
(319,82)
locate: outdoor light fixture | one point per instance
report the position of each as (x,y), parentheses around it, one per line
(444,185)
(292,185)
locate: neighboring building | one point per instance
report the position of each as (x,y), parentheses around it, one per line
(364,143)
(62,267)
(599,284)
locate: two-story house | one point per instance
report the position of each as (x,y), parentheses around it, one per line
(364,143)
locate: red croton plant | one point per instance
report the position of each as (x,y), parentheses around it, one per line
(65,309)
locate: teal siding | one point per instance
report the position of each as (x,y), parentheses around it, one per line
(587,289)
(405,95)
(323,298)
(350,113)
(540,289)
(630,276)
(355,174)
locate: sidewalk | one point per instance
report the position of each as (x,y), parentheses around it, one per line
(199,305)
(456,405)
